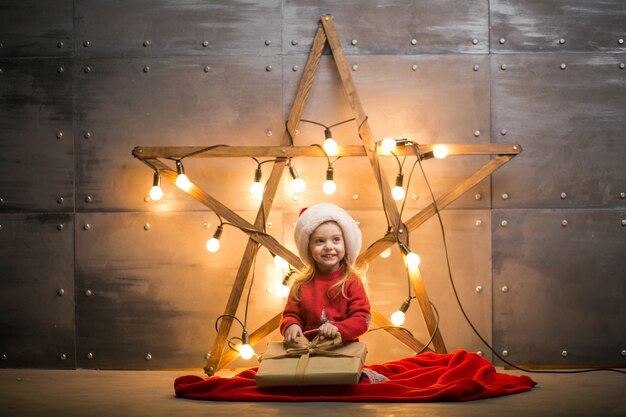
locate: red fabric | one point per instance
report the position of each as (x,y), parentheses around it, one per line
(458,376)
(320,303)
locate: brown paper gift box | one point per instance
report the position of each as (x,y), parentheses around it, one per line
(310,363)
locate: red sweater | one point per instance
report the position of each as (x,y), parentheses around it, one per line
(320,304)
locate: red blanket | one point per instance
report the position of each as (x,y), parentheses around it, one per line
(458,376)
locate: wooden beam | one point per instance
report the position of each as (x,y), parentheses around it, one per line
(402,335)
(431,321)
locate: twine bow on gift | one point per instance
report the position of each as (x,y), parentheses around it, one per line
(303,349)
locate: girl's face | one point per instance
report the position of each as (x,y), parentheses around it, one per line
(327,246)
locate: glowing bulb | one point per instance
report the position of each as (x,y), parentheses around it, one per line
(256,189)
(156,193)
(330,147)
(182,182)
(412,260)
(246,351)
(329,187)
(386,253)
(280,263)
(299,185)
(397,193)
(397,318)
(282,290)
(387,145)
(440,151)
(213,245)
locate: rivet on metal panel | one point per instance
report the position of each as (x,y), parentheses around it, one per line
(86,226)
(205,43)
(479,353)
(1,200)
(207,69)
(294,42)
(479,288)
(502,40)
(146,44)
(59,227)
(88,293)
(413,41)
(505,353)
(621,65)
(562,41)
(89,355)
(60,70)
(414,67)
(478,196)
(1,71)
(478,223)
(564,223)
(355,67)
(295,68)
(3,357)
(623,222)
(623,352)
(355,196)
(622,195)
(269,225)
(63,356)
(269,133)
(87,135)
(504,289)
(503,67)
(476,67)
(503,132)
(207,355)
(59,135)
(87,70)
(146,69)
(563,196)
(475,41)
(61,291)
(564,353)
(504,223)
(620,41)
(60,200)
(295,197)
(146,199)
(268,68)
(268,42)
(206,225)
(59,44)
(414,197)
(88,199)
(505,196)
(354,42)
(400,231)
(146,226)
(148,357)
(563,66)
(86,44)
(477,133)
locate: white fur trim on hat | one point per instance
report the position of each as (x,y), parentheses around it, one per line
(320,213)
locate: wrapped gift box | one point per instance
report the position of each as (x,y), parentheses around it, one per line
(309,363)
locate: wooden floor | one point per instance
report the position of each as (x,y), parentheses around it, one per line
(51,393)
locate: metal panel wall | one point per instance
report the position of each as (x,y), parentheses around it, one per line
(82,83)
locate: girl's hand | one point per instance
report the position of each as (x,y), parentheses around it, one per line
(292,332)
(328,330)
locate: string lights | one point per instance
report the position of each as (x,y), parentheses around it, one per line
(182,181)
(213,244)
(246,351)
(156,193)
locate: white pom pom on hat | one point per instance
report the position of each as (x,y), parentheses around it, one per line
(310,218)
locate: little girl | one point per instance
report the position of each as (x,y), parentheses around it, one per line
(329,297)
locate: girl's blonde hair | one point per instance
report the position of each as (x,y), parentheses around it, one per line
(349,271)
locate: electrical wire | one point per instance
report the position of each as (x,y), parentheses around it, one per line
(458,300)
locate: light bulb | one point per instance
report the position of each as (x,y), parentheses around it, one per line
(397,318)
(412,260)
(256,189)
(299,185)
(397,193)
(440,151)
(182,181)
(387,145)
(213,244)
(386,253)
(329,187)
(246,351)
(282,290)
(280,263)
(330,147)
(156,193)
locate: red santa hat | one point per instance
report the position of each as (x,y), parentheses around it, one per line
(310,218)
